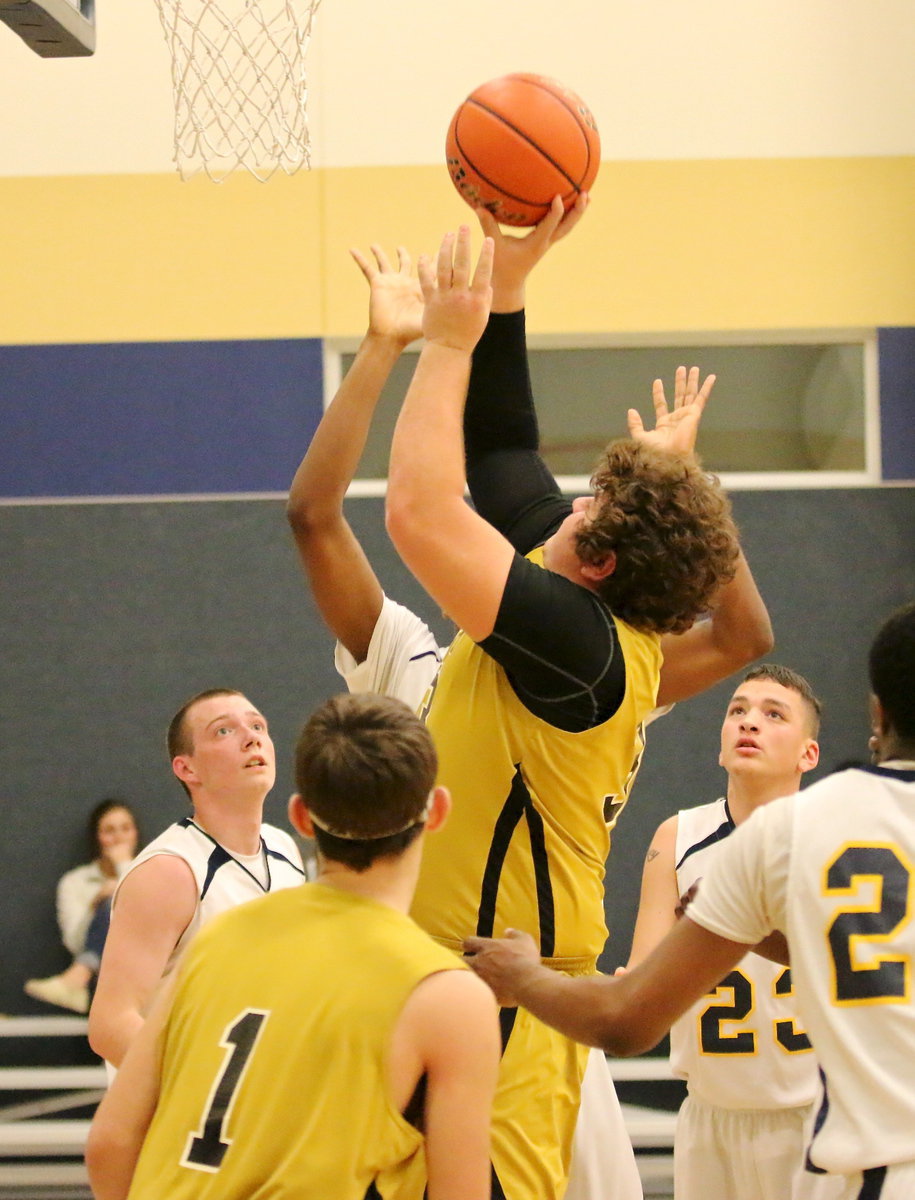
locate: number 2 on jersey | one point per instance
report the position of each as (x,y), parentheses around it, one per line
(883,978)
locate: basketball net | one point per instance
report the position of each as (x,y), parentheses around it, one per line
(238,73)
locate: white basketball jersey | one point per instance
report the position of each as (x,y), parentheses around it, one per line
(403,657)
(740,1047)
(224,880)
(834,867)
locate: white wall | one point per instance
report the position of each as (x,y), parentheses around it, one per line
(665,79)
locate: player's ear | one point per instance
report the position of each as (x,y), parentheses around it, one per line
(181,765)
(440,807)
(879,724)
(595,572)
(300,817)
(810,755)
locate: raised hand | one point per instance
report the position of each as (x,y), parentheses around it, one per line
(516,257)
(675,429)
(396,299)
(457,297)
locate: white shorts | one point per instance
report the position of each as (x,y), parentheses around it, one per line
(746,1154)
(603,1163)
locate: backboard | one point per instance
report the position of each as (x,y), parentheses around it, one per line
(53,28)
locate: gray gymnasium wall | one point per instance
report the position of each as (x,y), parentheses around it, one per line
(114,613)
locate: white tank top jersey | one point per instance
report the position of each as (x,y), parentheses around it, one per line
(741,1046)
(403,657)
(224,880)
(834,868)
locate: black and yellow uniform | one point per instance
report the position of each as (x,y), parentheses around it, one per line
(539,735)
(528,837)
(274,1055)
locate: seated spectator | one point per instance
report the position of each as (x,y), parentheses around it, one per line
(84,905)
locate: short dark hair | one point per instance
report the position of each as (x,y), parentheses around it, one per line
(796,682)
(102,809)
(669,525)
(891,667)
(364,767)
(178,739)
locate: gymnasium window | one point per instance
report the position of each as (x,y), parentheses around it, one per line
(787,410)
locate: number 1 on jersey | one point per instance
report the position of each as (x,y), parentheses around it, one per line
(207,1148)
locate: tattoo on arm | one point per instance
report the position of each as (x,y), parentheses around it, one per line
(652,853)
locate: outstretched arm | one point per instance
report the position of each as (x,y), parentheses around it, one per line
(624,1015)
(458,557)
(515,257)
(737,629)
(509,482)
(342,581)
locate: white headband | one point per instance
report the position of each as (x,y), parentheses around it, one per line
(347,836)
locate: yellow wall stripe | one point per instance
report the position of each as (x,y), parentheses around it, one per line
(667,246)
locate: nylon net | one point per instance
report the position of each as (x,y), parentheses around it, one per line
(238,74)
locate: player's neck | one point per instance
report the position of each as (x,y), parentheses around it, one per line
(236,828)
(893,748)
(390,881)
(746,795)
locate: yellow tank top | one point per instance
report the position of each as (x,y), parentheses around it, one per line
(533,806)
(273,1075)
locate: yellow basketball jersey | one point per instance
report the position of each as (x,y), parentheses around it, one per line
(274,1056)
(529,833)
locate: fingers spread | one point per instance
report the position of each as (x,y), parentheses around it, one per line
(426,276)
(367,268)
(706,390)
(658,398)
(482,276)
(634,422)
(460,274)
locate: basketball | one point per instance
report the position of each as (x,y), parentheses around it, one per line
(519,140)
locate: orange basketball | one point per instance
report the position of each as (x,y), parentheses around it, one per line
(518,141)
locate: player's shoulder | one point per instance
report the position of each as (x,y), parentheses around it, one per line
(452,996)
(711,820)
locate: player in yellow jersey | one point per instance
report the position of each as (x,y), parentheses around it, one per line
(833,869)
(316,1043)
(384,647)
(540,702)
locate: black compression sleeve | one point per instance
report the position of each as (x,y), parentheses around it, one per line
(510,485)
(500,404)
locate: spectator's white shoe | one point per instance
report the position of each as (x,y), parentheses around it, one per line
(53,990)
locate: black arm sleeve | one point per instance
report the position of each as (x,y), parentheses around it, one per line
(509,483)
(558,644)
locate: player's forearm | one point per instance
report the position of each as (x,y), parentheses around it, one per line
(737,632)
(500,405)
(330,463)
(426,475)
(589,1010)
(740,619)
(110,1163)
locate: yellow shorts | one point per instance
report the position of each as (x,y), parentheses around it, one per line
(535,1109)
